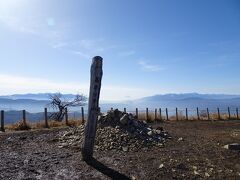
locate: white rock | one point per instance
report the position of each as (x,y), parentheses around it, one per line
(207,175)
(150,133)
(180,139)
(161,166)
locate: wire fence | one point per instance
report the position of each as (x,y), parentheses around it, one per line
(11,117)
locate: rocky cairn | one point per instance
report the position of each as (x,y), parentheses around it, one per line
(117,131)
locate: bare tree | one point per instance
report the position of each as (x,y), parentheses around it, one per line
(59,102)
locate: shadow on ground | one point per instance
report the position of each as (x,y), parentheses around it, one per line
(106,170)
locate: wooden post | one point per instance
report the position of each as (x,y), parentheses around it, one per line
(125,110)
(176,114)
(186,114)
(93,108)
(208,116)
(229,113)
(160,113)
(2,121)
(82,112)
(155,114)
(24,117)
(167,114)
(66,116)
(147,114)
(198,114)
(237,113)
(219,116)
(137,113)
(46,118)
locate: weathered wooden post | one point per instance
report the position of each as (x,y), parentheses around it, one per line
(2,121)
(155,114)
(208,116)
(229,113)
(66,116)
(219,116)
(160,114)
(198,114)
(147,117)
(137,113)
(167,114)
(237,113)
(93,108)
(46,118)
(82,111)
(24,117)
(176,114)
(186,114)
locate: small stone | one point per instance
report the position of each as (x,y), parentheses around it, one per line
(194,167)
(133,178)
(180,139)
(124,119)
(161,166)
(207,175)
(150,133)
(195,172)
(125,148)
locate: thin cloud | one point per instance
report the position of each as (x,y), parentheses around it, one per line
(149,67)
(82,54)
(12,84)
(127,53)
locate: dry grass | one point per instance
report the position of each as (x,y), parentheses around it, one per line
(181,116)
(20,125)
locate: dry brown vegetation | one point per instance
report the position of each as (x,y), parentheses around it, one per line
(19,126)
(141,116)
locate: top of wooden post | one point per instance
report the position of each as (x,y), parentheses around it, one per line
(98,60)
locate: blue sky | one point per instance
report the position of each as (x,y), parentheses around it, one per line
(148,47)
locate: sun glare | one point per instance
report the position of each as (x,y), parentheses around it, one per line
(10,6)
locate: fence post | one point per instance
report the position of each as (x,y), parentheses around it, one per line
(198,114)
(160,113)
(82,111)
(146,114)
(137,113)
(219,116)
(177,114)
(66,116)
(125,110)
(2,121)
(93,108)
(229,113)
(46,118)
(167,114)
(208,114)
(237,113)
(24,117)
(186,114)
(155,114)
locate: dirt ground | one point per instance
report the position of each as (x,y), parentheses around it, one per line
(194,152)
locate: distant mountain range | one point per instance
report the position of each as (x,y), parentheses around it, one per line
(36,102)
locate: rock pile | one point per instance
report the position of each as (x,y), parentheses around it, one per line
(118,131)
